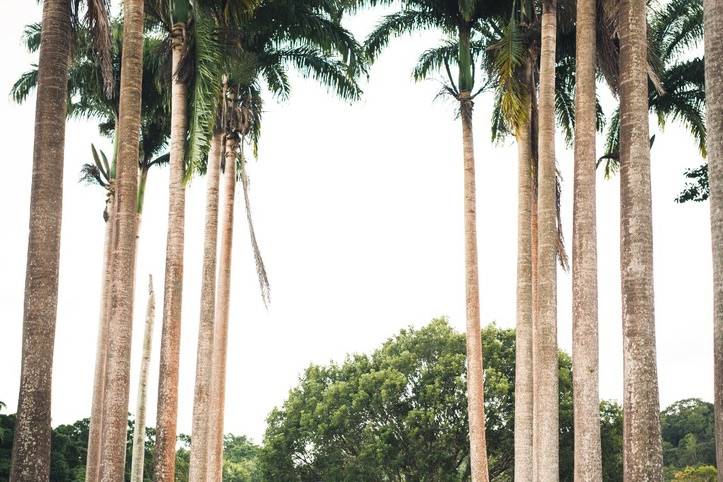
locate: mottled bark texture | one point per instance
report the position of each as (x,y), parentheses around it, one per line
(714,109)
(642,452)
(164,464)
(523,338)
(586,396)
(115,410)
(198,469)
(220,329)
(475,371)
(31,444)
(95,431)
(545,437)
(139,435)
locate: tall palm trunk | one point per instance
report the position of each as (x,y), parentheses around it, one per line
(201,401)
(95,431)
(31,445)
(642,452)
(166,414)
(714,109)
(139,435)
(115,412)
(586,397)
(475,368)
(220,330)
(545,438)
(523,337)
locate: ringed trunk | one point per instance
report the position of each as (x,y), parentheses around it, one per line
(139,435)
(523,338)
(642,446)
(545,438)
(167,412)
(586,397)
(115,412)
(714,110)
(201,401)
(31,444)
(95,431)
(475,371)
(220,331)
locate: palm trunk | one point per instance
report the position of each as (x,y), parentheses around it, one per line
(95,431)
(586,397)
(31,446)
(523,338)
(642,452)
(167,412)
(115,411)
(545,438)
(220,333)
(139,435)
(199,436)
(714,109)
(475,371)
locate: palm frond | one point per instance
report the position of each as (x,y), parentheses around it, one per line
(400,23)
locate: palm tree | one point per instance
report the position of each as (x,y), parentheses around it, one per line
(279,34)
(642,451)
(714,92)
(588,452)
(121,300)
(458,19)
(545,440)
(31,445)
(139,434)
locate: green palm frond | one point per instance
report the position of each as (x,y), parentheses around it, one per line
(24,85)
(400,23)
(611,158)
(31,37)
(435,59)
(331,73)
(204,92)
(697,189)
(505,63)
(677,26)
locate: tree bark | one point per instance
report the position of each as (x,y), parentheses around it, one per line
(586,396)
(95,431)
(198,469)
(714,113)
(523,338)
(220,330)
(475,370)
(546,427)
(115,411)
(642,452)
(139,435)
(31,445)
(167,412)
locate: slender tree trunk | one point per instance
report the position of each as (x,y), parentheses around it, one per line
(475,371)
(201,401)
(642,452)
(714,109)
(523,338)
(220,330)
(139,435)
(31,445)
(586,396)
(167,412)
(115,412)
(95,431)
(545,330)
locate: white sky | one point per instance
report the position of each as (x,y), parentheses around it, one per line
(358,211)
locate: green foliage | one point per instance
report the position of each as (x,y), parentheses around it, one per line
(400,413)
(701,473)
(688,428)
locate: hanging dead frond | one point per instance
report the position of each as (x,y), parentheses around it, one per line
(260,267)
(561,253)
(97,17)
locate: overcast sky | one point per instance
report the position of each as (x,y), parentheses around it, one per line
(358,211)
